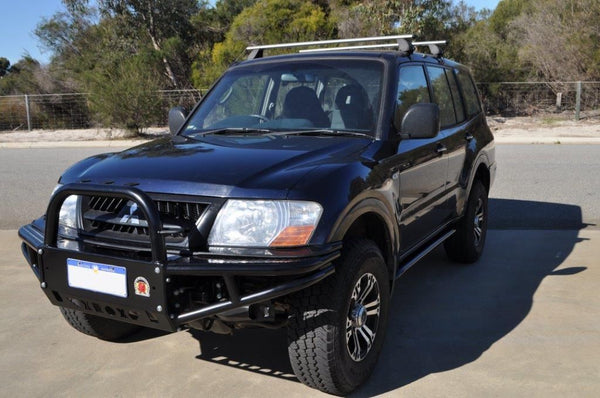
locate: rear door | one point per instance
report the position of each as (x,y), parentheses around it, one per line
(454,132)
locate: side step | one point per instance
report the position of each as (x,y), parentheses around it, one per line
(413,260)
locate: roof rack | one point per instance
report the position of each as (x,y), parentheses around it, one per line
(402,42)
(434,48)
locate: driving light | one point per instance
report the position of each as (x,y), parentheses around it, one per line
(265,223)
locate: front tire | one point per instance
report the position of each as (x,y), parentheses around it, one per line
(102,328)
(337,327)
(466,245)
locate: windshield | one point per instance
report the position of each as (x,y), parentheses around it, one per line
(325,95)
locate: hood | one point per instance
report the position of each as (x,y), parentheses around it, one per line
(226,166)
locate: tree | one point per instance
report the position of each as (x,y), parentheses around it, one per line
(4,66)
(167,25)
(269,21)
(65,32)
(127,94)
(490,47)
(561,39)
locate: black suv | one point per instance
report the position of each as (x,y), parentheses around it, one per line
(292,195)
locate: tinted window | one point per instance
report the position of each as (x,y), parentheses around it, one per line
(458,105)
(442,95)
(412,88)
(469,93)
(285,96)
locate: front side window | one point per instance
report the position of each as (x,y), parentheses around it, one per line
(412,88)
(304,95)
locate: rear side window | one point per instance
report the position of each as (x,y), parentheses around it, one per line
(412,88)
(442,95)
(469,93)
(458,105)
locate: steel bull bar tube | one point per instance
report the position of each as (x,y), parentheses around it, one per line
(144,202)
(310,270)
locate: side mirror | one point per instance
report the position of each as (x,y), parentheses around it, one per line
(420,121)
(177,117)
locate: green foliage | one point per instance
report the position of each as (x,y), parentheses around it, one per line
(127,94)
(22,77)
(269,21)
(561,39)
(164,26)
(4,66)
(122,51)
(490,47)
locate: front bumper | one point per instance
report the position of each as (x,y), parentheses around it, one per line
(281,273)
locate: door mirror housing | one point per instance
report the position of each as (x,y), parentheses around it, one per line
(177,116)
(419,121)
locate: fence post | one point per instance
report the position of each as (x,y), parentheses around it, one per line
(578,101)
(27,112)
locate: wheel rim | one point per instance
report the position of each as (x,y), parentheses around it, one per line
(363,317)
(478,222)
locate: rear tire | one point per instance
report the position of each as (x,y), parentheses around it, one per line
(102,328)
(337,327)
(466,245)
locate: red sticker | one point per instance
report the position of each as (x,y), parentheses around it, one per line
(141,286)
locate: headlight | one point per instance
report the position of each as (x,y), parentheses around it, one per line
(265,223)
(67,217)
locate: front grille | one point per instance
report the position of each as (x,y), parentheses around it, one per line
(185,210)
(111,219)
(106,204)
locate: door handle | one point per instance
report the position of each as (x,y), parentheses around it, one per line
(441,148)
(469,137)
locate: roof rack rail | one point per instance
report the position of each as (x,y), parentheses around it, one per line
(434,48)
(402,42)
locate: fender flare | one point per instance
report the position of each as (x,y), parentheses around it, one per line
(378,207)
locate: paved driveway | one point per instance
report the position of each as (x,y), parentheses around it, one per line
(524,321)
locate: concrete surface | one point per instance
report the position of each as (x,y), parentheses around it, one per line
(524,321)
(530,179)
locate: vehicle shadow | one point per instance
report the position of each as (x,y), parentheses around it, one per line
(443,315)
(261,351)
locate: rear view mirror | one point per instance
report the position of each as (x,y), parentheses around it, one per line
(420,121)
(177,117)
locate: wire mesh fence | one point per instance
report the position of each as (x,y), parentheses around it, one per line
(531,98)
(73,111)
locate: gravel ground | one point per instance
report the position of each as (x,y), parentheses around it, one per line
(547,129)
(100,134)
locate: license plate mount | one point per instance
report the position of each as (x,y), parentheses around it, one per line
(97,277)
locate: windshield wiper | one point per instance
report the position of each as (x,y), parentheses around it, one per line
(235,130)
(328,132)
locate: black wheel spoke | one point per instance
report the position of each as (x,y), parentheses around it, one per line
(363,317)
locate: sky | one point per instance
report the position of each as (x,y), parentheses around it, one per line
(19,18)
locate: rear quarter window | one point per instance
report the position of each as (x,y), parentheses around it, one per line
(442,95)
(469,92)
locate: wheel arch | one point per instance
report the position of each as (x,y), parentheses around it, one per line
(372,220)
(482,173)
